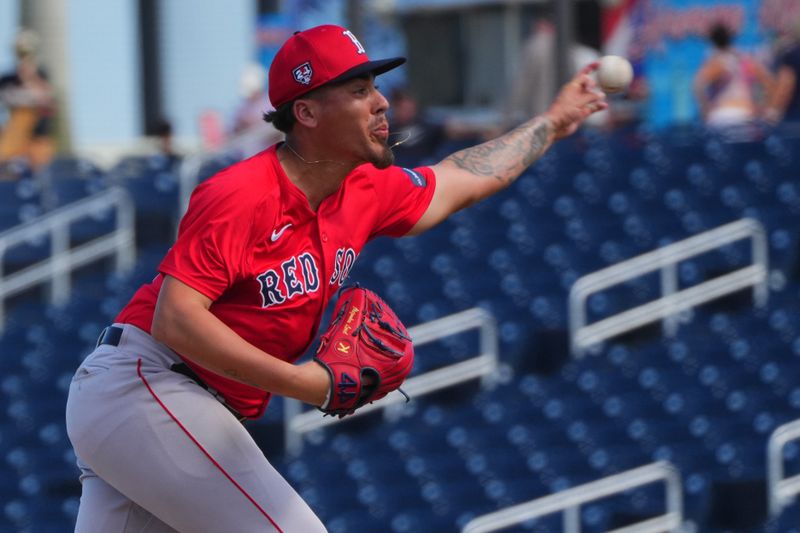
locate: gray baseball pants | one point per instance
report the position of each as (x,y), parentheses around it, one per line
(159,453)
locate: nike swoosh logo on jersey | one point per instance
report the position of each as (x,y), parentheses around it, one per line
(276,234)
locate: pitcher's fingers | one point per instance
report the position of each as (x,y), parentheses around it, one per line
(593,96)
(585,81)
(590,84)
(591,67)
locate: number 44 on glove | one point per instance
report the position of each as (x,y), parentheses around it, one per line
(366,351)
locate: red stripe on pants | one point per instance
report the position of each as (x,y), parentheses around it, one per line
(200,446)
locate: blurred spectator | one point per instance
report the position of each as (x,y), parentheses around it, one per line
(212,129)
(785,104)
(732,88)
(249,132)
(166,146)
(29,97)
(535,82)
(626,109)
(255,102)
(418,137)
(536,78)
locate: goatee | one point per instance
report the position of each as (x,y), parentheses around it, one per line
(384,160)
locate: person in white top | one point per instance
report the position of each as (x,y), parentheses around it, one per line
(731,87)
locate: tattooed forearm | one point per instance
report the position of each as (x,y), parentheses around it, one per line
(508,156)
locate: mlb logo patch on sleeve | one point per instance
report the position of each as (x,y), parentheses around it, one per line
(416,178)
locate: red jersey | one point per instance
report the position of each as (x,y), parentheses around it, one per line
(250,242)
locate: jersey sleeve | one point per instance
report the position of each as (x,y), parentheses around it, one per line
(403,195)
(209,253)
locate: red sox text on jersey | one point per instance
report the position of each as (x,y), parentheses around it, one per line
(299,275)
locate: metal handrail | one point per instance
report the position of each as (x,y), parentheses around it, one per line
(298,422)
(569,502)
(782,490)
(672,300)
(63,259)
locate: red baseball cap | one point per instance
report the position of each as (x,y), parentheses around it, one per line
(320,55)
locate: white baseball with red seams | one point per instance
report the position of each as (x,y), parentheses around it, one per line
(614,74)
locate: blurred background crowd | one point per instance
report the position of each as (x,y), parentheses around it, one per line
(103,81)
(111,112)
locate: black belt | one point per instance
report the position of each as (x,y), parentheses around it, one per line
(111,336)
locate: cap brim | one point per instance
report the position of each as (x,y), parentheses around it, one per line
(370,67)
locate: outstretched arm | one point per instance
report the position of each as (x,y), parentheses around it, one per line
(475,173)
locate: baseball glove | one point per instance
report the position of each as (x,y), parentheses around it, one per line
(366,350)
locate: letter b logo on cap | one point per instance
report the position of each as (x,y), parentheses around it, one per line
(359,48)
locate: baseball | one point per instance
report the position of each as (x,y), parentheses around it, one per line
(614,74)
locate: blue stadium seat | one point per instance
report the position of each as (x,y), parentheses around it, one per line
(21,202)
(68,179)
(152,182)
(348,520)
(26,253)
